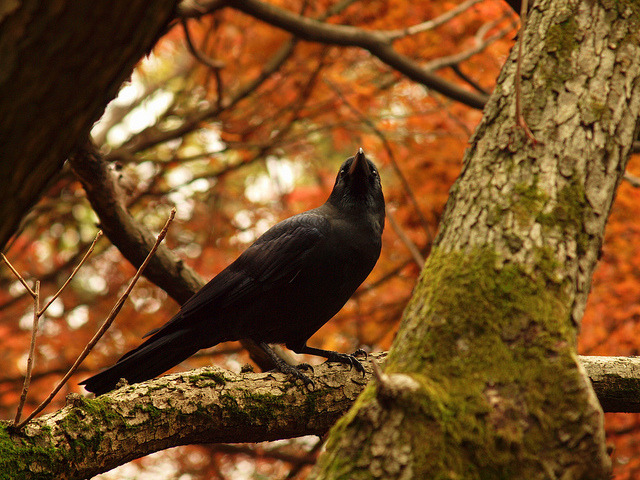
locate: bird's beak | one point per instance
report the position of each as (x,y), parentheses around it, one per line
(360,163)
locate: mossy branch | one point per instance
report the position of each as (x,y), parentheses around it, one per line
(210,405)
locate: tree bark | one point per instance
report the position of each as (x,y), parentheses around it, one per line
(208,405)
(215,405)
(60,64)
(482,380)
(616,381)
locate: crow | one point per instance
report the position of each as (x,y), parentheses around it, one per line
(292,280)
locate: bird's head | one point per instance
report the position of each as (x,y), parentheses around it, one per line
(358,189)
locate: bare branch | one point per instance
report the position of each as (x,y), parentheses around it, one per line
(211,405)
(195,9)
(75,270)
(377,43)
(152,136)
(107,323)
(633,180)
(208,62)
(431,24)
(480,45)
(520,121)
(133,240)
(15,272)
(415,253)
(32,349)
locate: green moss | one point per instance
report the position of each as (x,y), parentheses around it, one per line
(147,409)
(18,456)
(568,213)
(478,299)
(208,378)
(561,41)
(476,332)
(561,37)
(311,401)
(341,463)
(82,438)
(527,198)
(253,408)
(572,203)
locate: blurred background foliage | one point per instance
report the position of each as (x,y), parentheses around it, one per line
(239,147)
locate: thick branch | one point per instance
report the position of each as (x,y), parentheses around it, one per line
(210,405)
(616,381)
(207,405)
(132,239)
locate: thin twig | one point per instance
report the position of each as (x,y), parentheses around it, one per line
(632,179)
(105,326)
(15,272)
(469,80)
(202,58)
(481,44)
(415,253)
(75,270)
(522,123)
(32,349)
(430,24)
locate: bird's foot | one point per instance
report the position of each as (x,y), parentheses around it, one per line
(295,372)
(347,359)
(360,352)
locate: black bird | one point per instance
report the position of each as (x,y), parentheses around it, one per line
(282,289)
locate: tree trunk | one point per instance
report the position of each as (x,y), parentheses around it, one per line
(483,380)
(60,64)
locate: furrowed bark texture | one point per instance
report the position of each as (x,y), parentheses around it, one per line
(483,381)
(60,64)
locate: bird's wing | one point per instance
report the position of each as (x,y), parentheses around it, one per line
(276,257)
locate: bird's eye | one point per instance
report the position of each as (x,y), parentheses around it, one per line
(374,172)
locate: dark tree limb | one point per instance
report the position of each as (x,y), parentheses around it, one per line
(60,64)
(132,239)
(377,43)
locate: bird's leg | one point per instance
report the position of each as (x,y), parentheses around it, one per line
(283,366)
(332,356)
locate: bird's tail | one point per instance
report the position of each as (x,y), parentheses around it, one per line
(155,356)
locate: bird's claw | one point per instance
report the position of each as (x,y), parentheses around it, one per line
(296,373)
(360,352)
(347,359)
(305,366)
